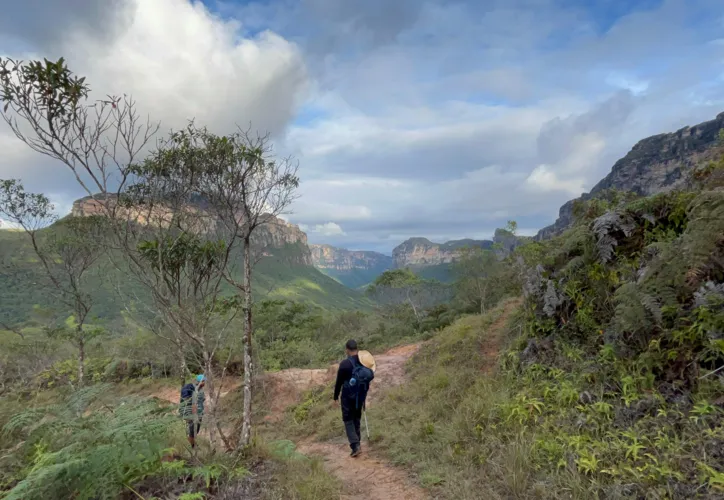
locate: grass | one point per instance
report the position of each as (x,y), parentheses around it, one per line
(526,432)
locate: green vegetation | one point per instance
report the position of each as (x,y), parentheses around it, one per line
(278,275)
(354,278)
(100,443)
(606,380)
(609,382)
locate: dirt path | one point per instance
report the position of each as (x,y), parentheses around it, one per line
(369,476)
(491,342)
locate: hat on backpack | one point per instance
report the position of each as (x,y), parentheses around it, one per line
(367,360)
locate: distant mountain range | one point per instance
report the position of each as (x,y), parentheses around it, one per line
(656,164)
(428,259)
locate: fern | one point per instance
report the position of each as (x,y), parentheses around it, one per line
(607,230)
(89,451)
(709,294)
(703,240)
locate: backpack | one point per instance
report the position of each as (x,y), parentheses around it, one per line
(187,391)
(359,384)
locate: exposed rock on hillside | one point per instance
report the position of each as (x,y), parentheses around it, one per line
(275,233)
(340,259)
(423,252)
(656,164)
(351,268)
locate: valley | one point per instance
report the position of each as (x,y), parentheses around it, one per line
(584,362)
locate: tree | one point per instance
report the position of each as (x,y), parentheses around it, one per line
(477,272)
(67,253)
(179,218)
(249,189)
(403,286)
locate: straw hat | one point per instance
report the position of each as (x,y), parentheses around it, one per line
(367,360)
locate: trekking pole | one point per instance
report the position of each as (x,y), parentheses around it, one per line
(367,426)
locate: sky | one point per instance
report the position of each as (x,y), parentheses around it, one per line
(432,118)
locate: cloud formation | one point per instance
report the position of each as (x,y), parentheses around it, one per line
(412,118)
(179,61)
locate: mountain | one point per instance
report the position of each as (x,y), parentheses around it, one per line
(275,233)
(654,165)
(352,268)
(423,252)
(285,271)
(432,260)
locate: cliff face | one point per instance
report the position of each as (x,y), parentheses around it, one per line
(340,259)
(275,233)
(656,164)
(351,268)
(423,252)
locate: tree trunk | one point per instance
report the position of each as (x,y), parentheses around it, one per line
(245,439)
(414,309)
(211,409)
(81,360)
(182,358)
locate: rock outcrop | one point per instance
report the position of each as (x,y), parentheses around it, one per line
(275,233)
(341,259)
(656,164)
(421,252)
(351,268)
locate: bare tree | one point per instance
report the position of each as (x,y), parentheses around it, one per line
(67,253)
(179,218)
(250,189)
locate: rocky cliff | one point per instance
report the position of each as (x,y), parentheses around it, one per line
(275,233)
(656,164)
(421,252)
(340,259)
(349,267)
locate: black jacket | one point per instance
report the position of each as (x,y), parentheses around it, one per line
(344,373)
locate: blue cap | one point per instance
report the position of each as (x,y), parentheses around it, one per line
(200,378)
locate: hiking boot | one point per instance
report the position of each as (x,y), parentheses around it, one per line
(356,451)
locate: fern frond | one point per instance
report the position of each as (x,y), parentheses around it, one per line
(608,229)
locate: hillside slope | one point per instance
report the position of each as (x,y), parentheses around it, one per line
(281,273)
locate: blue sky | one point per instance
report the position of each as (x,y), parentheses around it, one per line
(431,118)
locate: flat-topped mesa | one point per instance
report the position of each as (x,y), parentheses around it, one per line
(423,252)
(656,164)
(273,233)
(341,259)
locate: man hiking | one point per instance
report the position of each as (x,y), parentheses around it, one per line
(353,381)
(191,407)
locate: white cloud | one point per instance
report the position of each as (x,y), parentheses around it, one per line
(326,229)
(627,82)
(543,178)
(195,66)
(5,224)
(179,62)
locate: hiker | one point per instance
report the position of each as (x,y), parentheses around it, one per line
(353,381)
(191,407)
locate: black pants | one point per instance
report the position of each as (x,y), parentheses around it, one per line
(352,416)
(192,428)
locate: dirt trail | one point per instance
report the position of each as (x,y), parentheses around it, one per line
(369,476)
(490,347)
